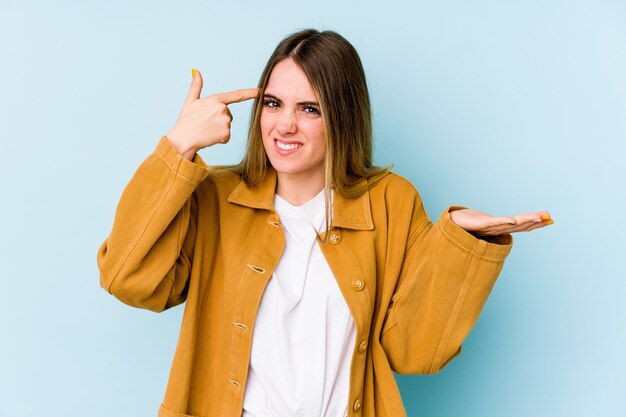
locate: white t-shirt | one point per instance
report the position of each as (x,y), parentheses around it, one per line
(304,333)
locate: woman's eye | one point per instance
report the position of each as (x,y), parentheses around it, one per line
(312,110)
(270,104)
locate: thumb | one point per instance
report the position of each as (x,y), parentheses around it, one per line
(196,86)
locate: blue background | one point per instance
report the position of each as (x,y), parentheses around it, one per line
(503,106)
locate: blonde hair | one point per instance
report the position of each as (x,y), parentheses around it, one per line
(336,75)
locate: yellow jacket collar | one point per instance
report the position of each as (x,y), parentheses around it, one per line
(349,213)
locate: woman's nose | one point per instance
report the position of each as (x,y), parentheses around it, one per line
(287,122)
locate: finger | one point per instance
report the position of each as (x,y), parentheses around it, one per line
(528,217)
(528,226)
(503,220)
(546,218)
(226,134)
(538,225)
(523,223)
(537,216)
(541,213)
(237,95)
(507,228)
(498,230)
(226,138)
(229,114)
(196,86)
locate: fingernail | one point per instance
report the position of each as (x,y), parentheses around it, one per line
(549,222)
(545,217)
(193,73)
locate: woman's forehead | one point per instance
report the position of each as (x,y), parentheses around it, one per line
(288,82)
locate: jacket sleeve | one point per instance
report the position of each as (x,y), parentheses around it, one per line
(146,260)
(445,280)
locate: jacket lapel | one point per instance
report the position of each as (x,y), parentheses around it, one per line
(348,213)
(352,213)
(261,196)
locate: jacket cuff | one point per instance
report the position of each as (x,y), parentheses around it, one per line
(496,248)
(193,171)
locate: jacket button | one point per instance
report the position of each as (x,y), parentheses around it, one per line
(363,346)
(358,284)
(273,220)
(241,326)
(357,405)
(334,238)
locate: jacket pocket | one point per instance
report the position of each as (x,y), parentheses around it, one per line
(390,320)
(164,412)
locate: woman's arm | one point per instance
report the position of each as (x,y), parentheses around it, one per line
(449,270)
(146,260)
(446,277)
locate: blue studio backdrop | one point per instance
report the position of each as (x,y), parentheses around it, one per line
(503,106)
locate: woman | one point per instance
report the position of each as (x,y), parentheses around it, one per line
(331,260)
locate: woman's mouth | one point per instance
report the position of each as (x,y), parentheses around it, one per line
(286,147)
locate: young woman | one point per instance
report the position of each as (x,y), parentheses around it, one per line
(309,274)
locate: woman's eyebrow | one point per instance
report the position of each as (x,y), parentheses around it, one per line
(301,103)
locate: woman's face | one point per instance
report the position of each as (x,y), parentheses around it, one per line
(291,124)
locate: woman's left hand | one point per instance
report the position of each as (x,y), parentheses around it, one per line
(480,223)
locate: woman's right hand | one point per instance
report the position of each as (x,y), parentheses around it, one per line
(203,122)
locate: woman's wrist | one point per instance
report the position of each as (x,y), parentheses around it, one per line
(186,152)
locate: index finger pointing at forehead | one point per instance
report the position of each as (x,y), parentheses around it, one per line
(238,95)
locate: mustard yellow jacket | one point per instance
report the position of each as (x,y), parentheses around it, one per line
(184,231)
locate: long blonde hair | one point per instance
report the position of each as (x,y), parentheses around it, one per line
(336,75)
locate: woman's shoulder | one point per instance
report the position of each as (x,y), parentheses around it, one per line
(395,184)
(223,174)
(396,203)
(220,179)
(396,194)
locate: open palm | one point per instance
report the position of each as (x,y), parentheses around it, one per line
(480,223)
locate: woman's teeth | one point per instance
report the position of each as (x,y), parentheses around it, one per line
(288,146)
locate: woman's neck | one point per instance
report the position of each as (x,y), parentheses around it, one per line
(297,190)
